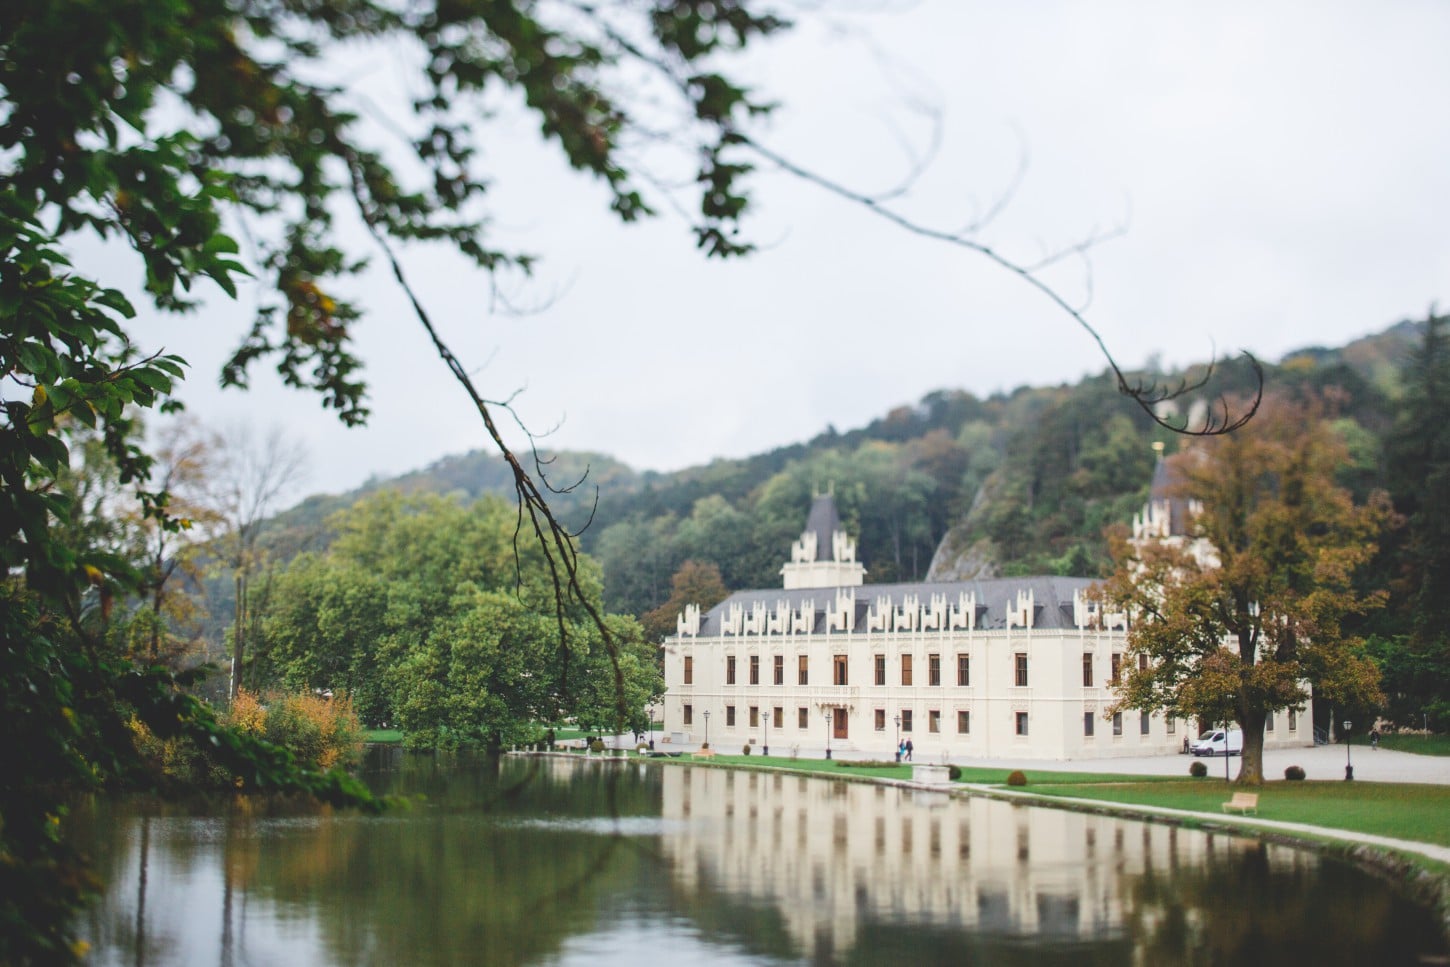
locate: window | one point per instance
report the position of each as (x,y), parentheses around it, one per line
(689,715)
(730,716)
(1087,673)
(933,669)
(906,720)
(933,720)
(755,669)
(803,718)
(1088,722)
(779,670)
(964,670)
(1117,723)
(839,666)
(754,716)
(1172,725)
(779,716)
(1117,669)
(906,669)
(1145,724)
(1021,670)
(881,720)
(802,674)
(880,661)
(1021,723)
(689,670)
(1142,663)
(729,669)
(1269,722)
(964,722)
(1293,720)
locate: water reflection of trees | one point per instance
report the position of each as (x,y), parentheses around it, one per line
(506,864)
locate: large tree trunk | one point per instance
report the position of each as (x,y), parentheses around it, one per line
(1251,765)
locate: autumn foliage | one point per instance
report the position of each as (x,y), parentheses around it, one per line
(1248,612)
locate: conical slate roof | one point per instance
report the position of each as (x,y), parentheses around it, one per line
(823,521)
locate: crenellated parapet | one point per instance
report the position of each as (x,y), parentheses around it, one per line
(688,623)
(1022,613)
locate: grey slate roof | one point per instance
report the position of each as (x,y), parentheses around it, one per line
(823,522)
(1053,597)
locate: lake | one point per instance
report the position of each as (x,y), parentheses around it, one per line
(550,861)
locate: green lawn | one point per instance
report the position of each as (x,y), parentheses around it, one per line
(1418,744)
(992,777)
(1402,810)
(383,736)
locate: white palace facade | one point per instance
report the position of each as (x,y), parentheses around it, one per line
(1008,668)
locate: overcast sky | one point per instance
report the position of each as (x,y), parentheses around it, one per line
(1282,171)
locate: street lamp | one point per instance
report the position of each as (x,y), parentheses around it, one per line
(707,729)
(650,710)
(1348,766)
(765,749)
(1227,724)
(828,733)
(897,719)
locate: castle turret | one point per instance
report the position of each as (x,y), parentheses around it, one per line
(824,557)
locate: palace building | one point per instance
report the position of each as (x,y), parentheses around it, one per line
(1018,668)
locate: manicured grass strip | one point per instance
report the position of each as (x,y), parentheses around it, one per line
(1418,744)
(383,736)
(811,766)
(1401,810)
(998,777)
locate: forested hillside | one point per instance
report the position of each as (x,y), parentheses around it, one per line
(954,486)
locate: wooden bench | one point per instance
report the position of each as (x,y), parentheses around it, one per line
(1242,802)
(704,754)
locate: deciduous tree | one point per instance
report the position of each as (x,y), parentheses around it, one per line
(1248,611)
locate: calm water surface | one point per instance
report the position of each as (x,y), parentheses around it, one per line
(562,862)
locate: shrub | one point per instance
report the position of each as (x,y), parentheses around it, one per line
(1017,778)
(1197,769)
(1295,773)
(597,745)
(704,745)
(954,773)
(320,732)
(746,750)
(863,763)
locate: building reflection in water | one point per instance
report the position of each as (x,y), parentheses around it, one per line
(833,855)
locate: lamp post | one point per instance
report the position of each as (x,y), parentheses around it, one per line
(707,729)
(1227,724)
(897,719)
(828,733)
(1348,766)
(765,749)
(650,710)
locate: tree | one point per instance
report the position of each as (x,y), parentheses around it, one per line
(422,611)
(1236,619)
(693,583)
(248,479)
(1415,656)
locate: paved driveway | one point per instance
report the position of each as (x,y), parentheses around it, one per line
(1318,762)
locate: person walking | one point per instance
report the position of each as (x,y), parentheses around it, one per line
(1374,738)
(908,748)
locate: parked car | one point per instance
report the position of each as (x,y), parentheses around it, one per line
(1212,743)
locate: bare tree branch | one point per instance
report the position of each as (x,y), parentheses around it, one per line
(1146,394)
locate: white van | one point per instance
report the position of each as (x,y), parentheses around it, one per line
(1212,743)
